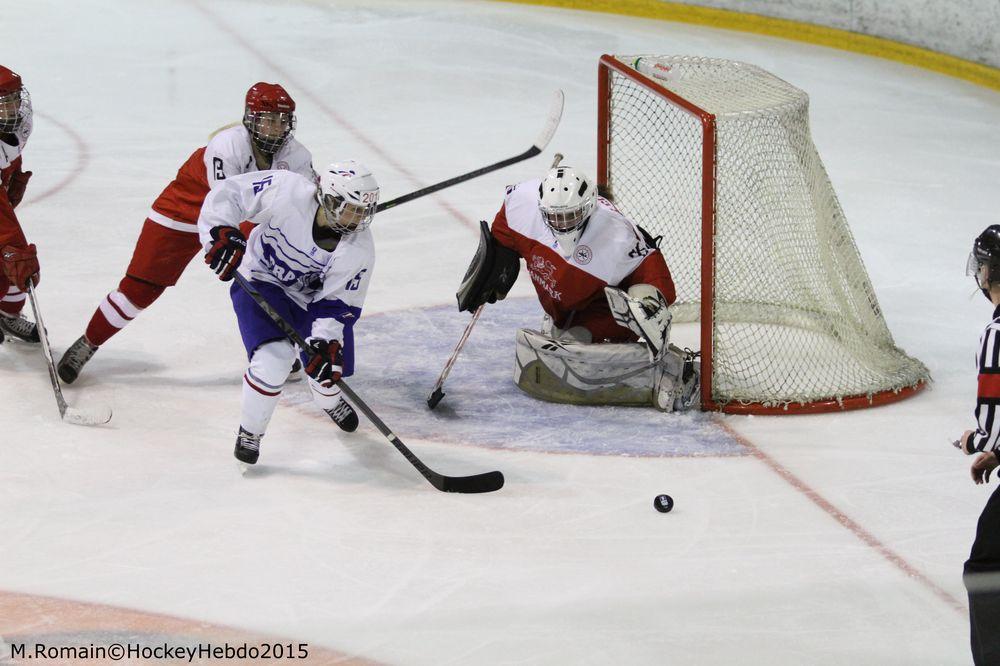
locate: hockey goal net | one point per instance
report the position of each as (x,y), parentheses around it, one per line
(716,157)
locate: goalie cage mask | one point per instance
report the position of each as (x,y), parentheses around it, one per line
(566,198)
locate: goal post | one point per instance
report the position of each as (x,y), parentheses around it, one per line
(716,157)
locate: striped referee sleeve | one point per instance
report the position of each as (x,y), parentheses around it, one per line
(988,396)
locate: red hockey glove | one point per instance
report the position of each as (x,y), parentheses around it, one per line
(20,264)
(227,251)
(15,186)
(324,362)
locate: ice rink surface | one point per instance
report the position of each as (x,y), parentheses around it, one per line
(835,539)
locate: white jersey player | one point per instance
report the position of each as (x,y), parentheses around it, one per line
(311,256)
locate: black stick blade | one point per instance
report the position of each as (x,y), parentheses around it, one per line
(434,398)
(478,483)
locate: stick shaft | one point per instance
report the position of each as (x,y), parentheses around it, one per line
(551,123)
(47,350)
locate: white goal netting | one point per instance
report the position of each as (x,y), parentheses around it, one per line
(794,317)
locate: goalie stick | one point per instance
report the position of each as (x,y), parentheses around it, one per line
(551,123)
(477,483)
(74,415)
(438,391)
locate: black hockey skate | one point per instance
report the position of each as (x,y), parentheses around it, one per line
(74,359)
(344,416)
(19,327)
(247,447)
(295,375)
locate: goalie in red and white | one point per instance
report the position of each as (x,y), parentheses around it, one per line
(603,285)
(169,237)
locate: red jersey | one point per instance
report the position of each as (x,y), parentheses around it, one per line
(10,161)
(611,252)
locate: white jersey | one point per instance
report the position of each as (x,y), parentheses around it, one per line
(611,251)
(227,154)
(9,152)
(281,251)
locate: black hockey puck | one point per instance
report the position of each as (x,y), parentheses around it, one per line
(663,503)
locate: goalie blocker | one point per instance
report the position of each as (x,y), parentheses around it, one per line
(491,274)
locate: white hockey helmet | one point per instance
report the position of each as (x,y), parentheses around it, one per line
(566,198)
(348,193)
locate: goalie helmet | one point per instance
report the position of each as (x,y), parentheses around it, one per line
(985,255)
(269,116)
(566,198)
(348,193)
(15,102)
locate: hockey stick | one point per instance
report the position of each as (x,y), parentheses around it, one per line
(88,417)
(551,123)
(477,483)
(437,393)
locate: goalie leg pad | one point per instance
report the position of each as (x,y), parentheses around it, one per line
(583,374)
(491,274)
(677,386)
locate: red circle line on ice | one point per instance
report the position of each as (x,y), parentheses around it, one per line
(82,160)
(31,619)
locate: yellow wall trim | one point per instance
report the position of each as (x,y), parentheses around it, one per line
(942,63)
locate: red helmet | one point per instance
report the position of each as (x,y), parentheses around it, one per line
(268,97)
(15,102)
(269,104)
(11,82)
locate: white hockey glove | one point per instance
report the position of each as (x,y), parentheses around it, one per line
(645,312)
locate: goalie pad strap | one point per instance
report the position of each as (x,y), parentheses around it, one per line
(491,274)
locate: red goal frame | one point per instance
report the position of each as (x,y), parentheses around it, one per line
(606,65)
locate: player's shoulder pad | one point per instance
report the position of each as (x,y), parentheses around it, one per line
(232,143)
(524,189)
(291,181)
(620,234)
(361,246)
(294,155)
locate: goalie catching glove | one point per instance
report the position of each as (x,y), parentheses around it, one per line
(228,247)
(491,274)
(644,311)
(325,363)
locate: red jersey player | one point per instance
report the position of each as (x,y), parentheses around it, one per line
(169,237)
(19,259)
(600,279)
